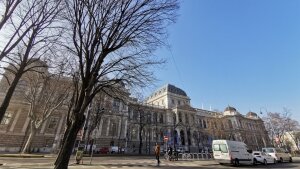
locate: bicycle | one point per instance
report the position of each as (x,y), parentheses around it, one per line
(172,157)
(166,156)
(186,156)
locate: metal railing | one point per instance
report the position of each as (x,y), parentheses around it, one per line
(194,156)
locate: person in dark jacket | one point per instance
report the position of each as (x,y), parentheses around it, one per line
(157,153)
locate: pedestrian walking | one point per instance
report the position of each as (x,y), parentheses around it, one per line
(170,153)
(157,153)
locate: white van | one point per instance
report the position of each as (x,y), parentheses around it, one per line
(278,153)
(231,152)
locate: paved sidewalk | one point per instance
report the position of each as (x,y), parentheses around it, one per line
(100,162)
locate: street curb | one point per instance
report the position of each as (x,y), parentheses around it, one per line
(22,155)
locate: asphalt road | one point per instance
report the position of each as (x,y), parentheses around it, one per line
(130,162)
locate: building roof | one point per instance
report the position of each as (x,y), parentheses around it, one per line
(175,90)
(251,115)
(230,109)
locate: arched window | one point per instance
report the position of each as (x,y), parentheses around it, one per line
(180,116)
(216,127)
(174,118)
(230,124)
(182,137)
(189,137)
(113,129)
(155,117)
(104,126)
(241,124)
(175,137)
(200,123)
(135,115)
(148,118)
(161,138)
(186,118)
(161,118)
(134,133)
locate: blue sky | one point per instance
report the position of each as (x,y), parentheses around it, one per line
(244,54)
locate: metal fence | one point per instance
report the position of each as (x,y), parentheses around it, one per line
(194,156)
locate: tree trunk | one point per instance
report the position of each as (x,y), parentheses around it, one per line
(63,158)
(9,94)
(27,146)
(63,142)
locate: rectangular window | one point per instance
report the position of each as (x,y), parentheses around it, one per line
(113,129)
(268,150)
(116,104)
(220,147)
(53,123)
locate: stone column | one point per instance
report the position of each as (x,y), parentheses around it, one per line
(185,137)
(100,128)
(60,125)
(119,127)
(57,134)
(44,126)
(108,126)
(15,120)
(25,125)
(177,116)
(125,128)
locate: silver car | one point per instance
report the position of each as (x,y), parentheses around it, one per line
(263,158)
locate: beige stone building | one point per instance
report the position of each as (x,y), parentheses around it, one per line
(15,127)
(165,117)
(194,129)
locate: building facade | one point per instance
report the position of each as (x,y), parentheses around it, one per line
(165,117)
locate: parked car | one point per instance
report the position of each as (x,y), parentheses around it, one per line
(263,158)
(104,150)
(279,154)
(231,152)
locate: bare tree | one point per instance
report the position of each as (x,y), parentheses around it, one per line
(38,35)
(47,94)
(278,124)
(140,119)
(112,42)
(19,18)
(9,7)
(96,112)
